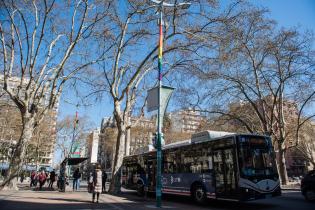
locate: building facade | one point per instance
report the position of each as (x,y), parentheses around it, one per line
(107,143)
(40,150)
(186,120)
(140,136)
(93,146)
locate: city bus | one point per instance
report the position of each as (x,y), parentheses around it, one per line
(212,164)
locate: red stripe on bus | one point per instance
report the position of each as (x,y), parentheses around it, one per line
(177,193)
(175,190)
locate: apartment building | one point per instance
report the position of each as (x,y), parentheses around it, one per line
(186,120)
(40,151)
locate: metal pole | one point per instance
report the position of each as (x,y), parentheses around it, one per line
(160,4)
(159,145)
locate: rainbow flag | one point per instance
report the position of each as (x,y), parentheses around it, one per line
(160,52)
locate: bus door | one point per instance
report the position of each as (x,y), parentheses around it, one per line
(225,172)
(151,172)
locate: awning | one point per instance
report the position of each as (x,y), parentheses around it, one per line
(74,161)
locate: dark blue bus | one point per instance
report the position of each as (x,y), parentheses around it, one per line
(211,164)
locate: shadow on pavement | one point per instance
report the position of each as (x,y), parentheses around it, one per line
(17,205)
(129,200)
(210,204)
(67,199)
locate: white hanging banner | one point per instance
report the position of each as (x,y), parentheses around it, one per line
(153,98)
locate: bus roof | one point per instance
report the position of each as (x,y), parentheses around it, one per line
(199,137)
(177,144)
(209,135)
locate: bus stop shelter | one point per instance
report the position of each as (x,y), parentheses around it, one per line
(73,161)
(70,161)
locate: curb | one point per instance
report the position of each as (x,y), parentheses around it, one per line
(290,189)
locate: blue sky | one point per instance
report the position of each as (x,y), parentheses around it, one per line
(291,12)
(288,13)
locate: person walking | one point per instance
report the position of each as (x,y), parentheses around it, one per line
(104,177)
(22,177)
(36,178)
(47,178)
(62,178)
(42,179)
(33,177)
(52,179)
(76,179)
(90,183)
(97,183)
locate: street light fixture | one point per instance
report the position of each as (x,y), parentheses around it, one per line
(160,5)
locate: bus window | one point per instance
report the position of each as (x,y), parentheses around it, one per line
(123,171)
(206,159)
(196,159)
(255,155)
(171,162)
(210,165)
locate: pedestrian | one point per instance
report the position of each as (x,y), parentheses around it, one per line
(97,183)
(33,176)
(36,178)
(42,179)
(76,179)
(62,178)
(22,177)
(52,178)
(47,178)
(90,183)
(57,180)
(104,178)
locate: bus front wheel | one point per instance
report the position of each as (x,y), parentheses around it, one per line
(199,194)
(140,189)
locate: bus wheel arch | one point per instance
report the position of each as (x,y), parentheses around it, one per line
(140,188)
(198,192)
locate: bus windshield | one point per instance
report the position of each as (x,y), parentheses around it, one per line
(256,157)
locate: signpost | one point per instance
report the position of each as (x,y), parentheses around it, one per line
(161,103)
(158,99)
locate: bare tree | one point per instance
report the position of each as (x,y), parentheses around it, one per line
(132,49)
(72,134)
(307,144)
(43,44)
(261,69)
(42,142)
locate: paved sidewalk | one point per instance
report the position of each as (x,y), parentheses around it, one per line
(27,199)
(48,200)
(292,186)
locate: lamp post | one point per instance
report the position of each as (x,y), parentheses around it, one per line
(160,5)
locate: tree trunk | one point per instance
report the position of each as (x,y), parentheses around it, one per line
(282,165)
(115,183)
(127,142)
(18,154)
